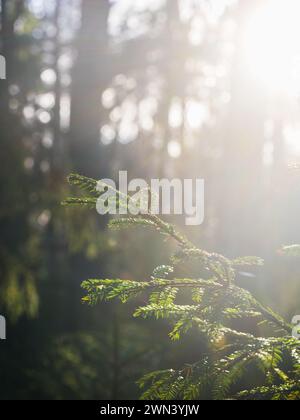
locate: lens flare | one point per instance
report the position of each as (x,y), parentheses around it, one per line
(271,45)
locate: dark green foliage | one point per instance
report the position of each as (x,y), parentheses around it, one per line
(216,308)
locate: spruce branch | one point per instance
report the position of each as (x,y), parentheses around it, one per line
(216,302)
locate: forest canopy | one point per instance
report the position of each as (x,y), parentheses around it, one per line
(162,90)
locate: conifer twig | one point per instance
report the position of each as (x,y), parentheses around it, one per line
(217,301)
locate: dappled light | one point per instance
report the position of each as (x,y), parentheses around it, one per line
(149,225)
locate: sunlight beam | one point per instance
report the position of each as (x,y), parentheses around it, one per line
(271,45)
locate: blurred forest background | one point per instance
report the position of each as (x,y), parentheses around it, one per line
(160,88)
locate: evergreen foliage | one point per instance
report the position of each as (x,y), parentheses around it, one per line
(216,308)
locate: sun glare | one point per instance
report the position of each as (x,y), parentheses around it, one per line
(271,45)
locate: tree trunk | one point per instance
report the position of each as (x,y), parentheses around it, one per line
(241,184)
(91,76)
